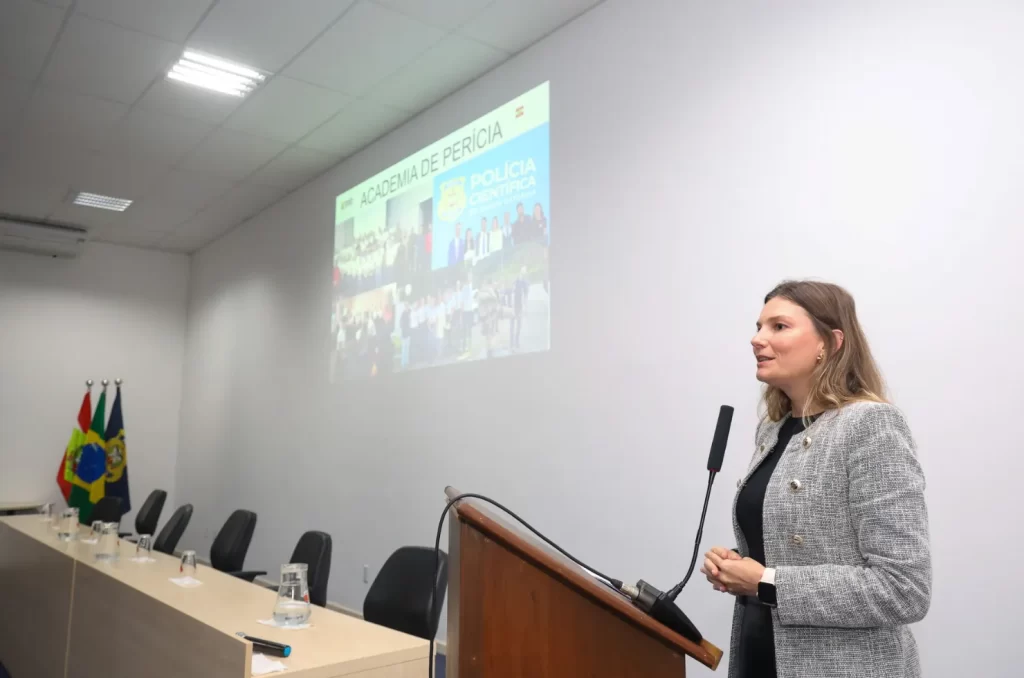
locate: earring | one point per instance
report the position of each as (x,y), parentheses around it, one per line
(821,356)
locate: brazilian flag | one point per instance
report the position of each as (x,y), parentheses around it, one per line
(87,487)
(66,470)
(117,457)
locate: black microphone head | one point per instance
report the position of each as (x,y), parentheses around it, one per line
(721,438)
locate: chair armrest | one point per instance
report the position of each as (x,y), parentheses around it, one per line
(247,575)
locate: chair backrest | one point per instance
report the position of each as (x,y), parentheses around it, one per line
(107,509)
(400,595)
(232,542)
(314,549)
(168,538)
(149,515)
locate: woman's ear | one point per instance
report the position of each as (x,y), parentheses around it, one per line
(838,336)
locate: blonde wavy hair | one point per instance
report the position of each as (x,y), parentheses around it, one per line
(846,375)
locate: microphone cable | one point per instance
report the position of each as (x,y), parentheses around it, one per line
(615,583)
(674,592)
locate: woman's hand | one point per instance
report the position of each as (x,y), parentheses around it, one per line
(712,572)
(739,576)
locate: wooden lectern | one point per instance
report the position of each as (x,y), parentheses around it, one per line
(519,609)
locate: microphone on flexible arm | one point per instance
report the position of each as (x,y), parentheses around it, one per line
(661,606)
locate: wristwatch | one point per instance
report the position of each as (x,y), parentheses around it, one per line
(766,588)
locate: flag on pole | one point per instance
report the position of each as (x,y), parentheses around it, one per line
(91,472)
(117,456)
(66,470)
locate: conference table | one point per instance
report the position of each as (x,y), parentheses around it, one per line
(66,614)
(10,508)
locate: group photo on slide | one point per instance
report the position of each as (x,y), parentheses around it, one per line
(453,266)
(492,301)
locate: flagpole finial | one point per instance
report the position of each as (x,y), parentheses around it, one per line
(105,382)
(89,383)
(118,382)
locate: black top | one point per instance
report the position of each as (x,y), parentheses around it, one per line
(757,639)
(750,503)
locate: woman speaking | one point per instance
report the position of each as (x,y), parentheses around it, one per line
(833,559)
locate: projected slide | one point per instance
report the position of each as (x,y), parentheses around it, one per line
(443,257)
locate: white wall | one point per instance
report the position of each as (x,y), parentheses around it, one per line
(115,312)
(701,152)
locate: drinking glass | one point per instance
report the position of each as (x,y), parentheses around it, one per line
(292,606)
(144,546)
(188,564)
(97,529)
(46,512)
(67,526)
(109,541)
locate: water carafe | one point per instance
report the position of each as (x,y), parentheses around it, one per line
(292,606)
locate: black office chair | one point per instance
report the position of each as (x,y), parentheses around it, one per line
(400,595)
(107,509)
(149,515)
(168,538)
(314,549)
(232,542)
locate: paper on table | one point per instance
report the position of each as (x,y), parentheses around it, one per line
(271,622)
(185,582)
(262,664)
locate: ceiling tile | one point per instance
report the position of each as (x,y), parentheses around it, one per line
(147,214)
(159,137)
(230,154)
(14,97)
(176,246)
(89,217)
(243,201)
(58,162)
(28,194)
(151,215)
(168,19)
(120,177)
(513,25)
(354,53)
(203,228)
(185,240)
(54,116)
(27,30)
(129,238)
(446,14)
(286,110)
(266,34)
(177,98)
(354,127)
(293,168)
(97,58)
(228,211)
(444,68)
(191,189)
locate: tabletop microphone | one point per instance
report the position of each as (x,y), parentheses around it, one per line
(661,606)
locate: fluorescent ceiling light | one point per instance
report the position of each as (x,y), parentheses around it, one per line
(203,70)
(103,202)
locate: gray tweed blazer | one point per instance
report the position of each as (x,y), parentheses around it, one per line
(846,529)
